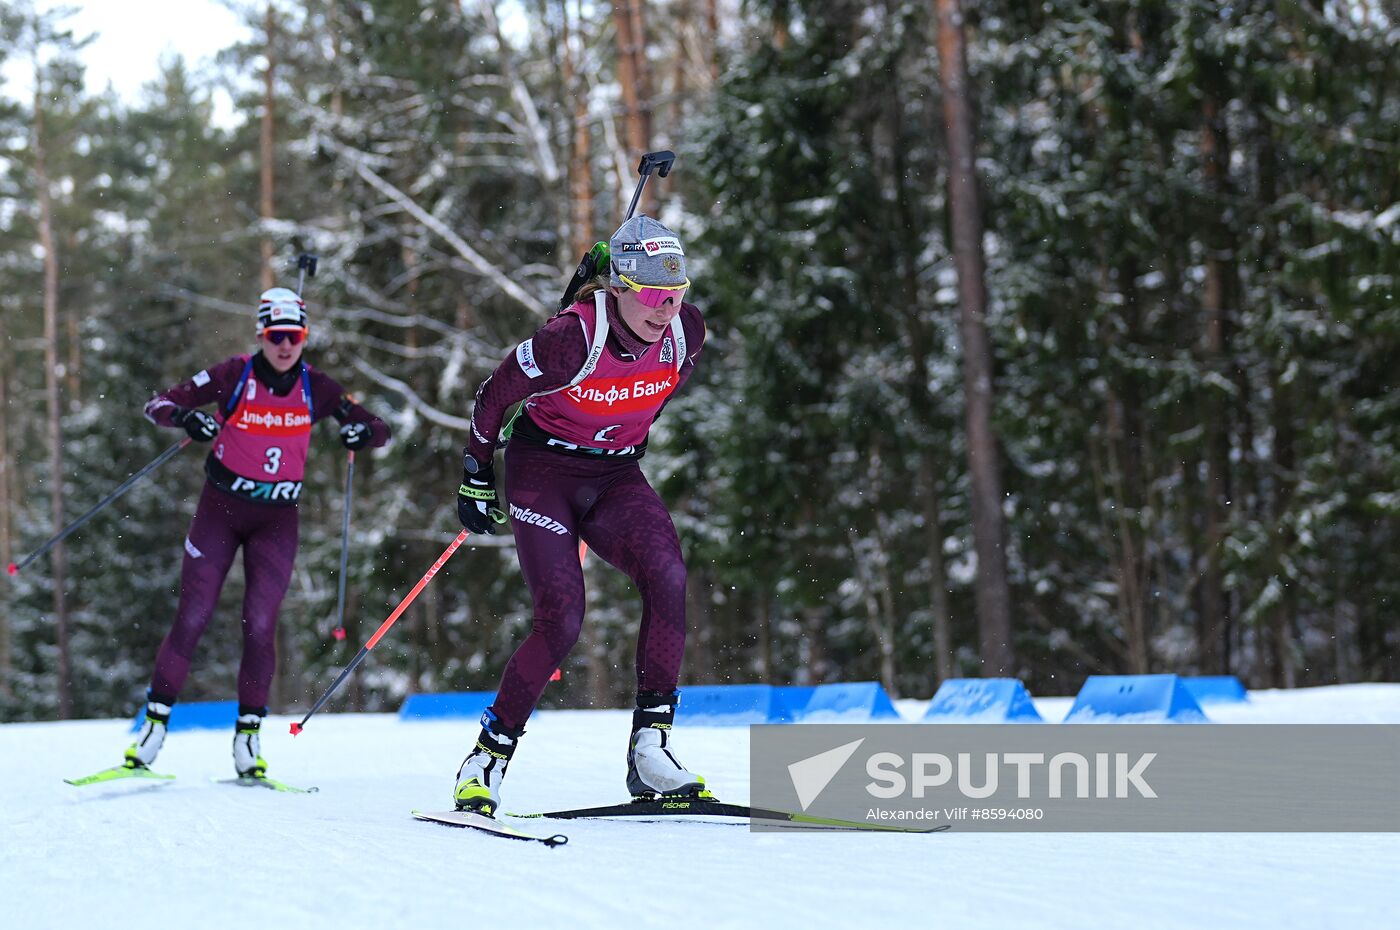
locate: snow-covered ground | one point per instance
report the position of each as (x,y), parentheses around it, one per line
(194,854)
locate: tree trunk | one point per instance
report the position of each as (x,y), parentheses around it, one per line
(337,52)
(74,369)
(680,61)
(781,20)
(581,150)
(889,671)
(812,649)
(1118,483)
(920,347)
(51,384)
(875,623)
(266,208)
(937,573)
(712,32)
(1282,616)
(634,76)
(1219,294)
(763,616)
(1120,486)
(993,593)
(6,544)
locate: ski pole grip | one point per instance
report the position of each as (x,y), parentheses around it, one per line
(660,162)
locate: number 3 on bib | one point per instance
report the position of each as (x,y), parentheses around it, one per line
(274,460)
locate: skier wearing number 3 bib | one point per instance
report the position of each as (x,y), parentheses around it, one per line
(264,408)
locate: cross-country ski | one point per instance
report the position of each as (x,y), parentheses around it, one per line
(471,820)
(117,773)
(272,784)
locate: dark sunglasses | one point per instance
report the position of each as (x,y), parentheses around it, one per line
(279,336)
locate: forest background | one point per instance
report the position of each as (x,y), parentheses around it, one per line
(1045,339)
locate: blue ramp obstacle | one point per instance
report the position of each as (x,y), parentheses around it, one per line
(448,705)
(1216,689)
(1135,699)
(725,705)
(982,700)
(196,715)
(845,702)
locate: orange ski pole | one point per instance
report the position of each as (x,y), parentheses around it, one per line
(383,628)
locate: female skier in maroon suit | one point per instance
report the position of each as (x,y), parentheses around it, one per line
(265,405)
(593,379)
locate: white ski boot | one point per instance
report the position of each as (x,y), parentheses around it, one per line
(143,752)
(482,771)
(652,768)
(247,749)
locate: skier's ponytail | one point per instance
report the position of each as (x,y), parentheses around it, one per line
(585,292)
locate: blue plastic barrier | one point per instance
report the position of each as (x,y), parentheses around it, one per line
(447,705)
(724,705)
(840,702)
(1135,699)
(1216,689)
(196,715)
(982,700)
(789,702)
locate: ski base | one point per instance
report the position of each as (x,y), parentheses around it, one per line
(709,807)
(117,772)
(484,824)
(248,781)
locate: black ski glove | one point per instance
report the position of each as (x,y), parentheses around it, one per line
(200,425)
(477,499)
(355,435)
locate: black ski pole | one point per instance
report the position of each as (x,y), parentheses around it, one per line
(339,631)
(590,266)
(14,568)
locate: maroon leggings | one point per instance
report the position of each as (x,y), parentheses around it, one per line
(555,500)
(268,535)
